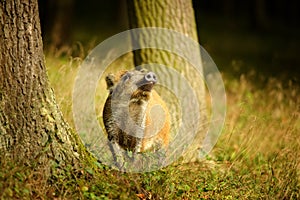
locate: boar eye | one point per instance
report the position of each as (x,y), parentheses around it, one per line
(126,76)
(143,70)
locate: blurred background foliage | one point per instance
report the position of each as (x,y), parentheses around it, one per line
(251,36)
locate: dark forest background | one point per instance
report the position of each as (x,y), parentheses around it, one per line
(249,36)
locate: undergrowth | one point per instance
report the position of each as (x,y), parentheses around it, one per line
(256,157)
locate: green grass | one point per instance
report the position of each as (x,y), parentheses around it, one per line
(256,157)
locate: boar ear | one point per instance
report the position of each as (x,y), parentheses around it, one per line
(110,81)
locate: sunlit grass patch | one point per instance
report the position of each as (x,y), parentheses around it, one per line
(256,157)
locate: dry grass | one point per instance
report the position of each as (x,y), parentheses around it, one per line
(256,157)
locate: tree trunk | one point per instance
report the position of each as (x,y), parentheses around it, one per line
(58,18)
(261,16)
(177,15)
(31,125)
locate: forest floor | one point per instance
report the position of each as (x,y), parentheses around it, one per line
(257,155)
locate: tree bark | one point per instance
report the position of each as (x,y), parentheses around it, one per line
(31,124)
(176,15)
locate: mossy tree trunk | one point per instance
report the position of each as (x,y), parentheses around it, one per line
(176,15)
(31,124)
